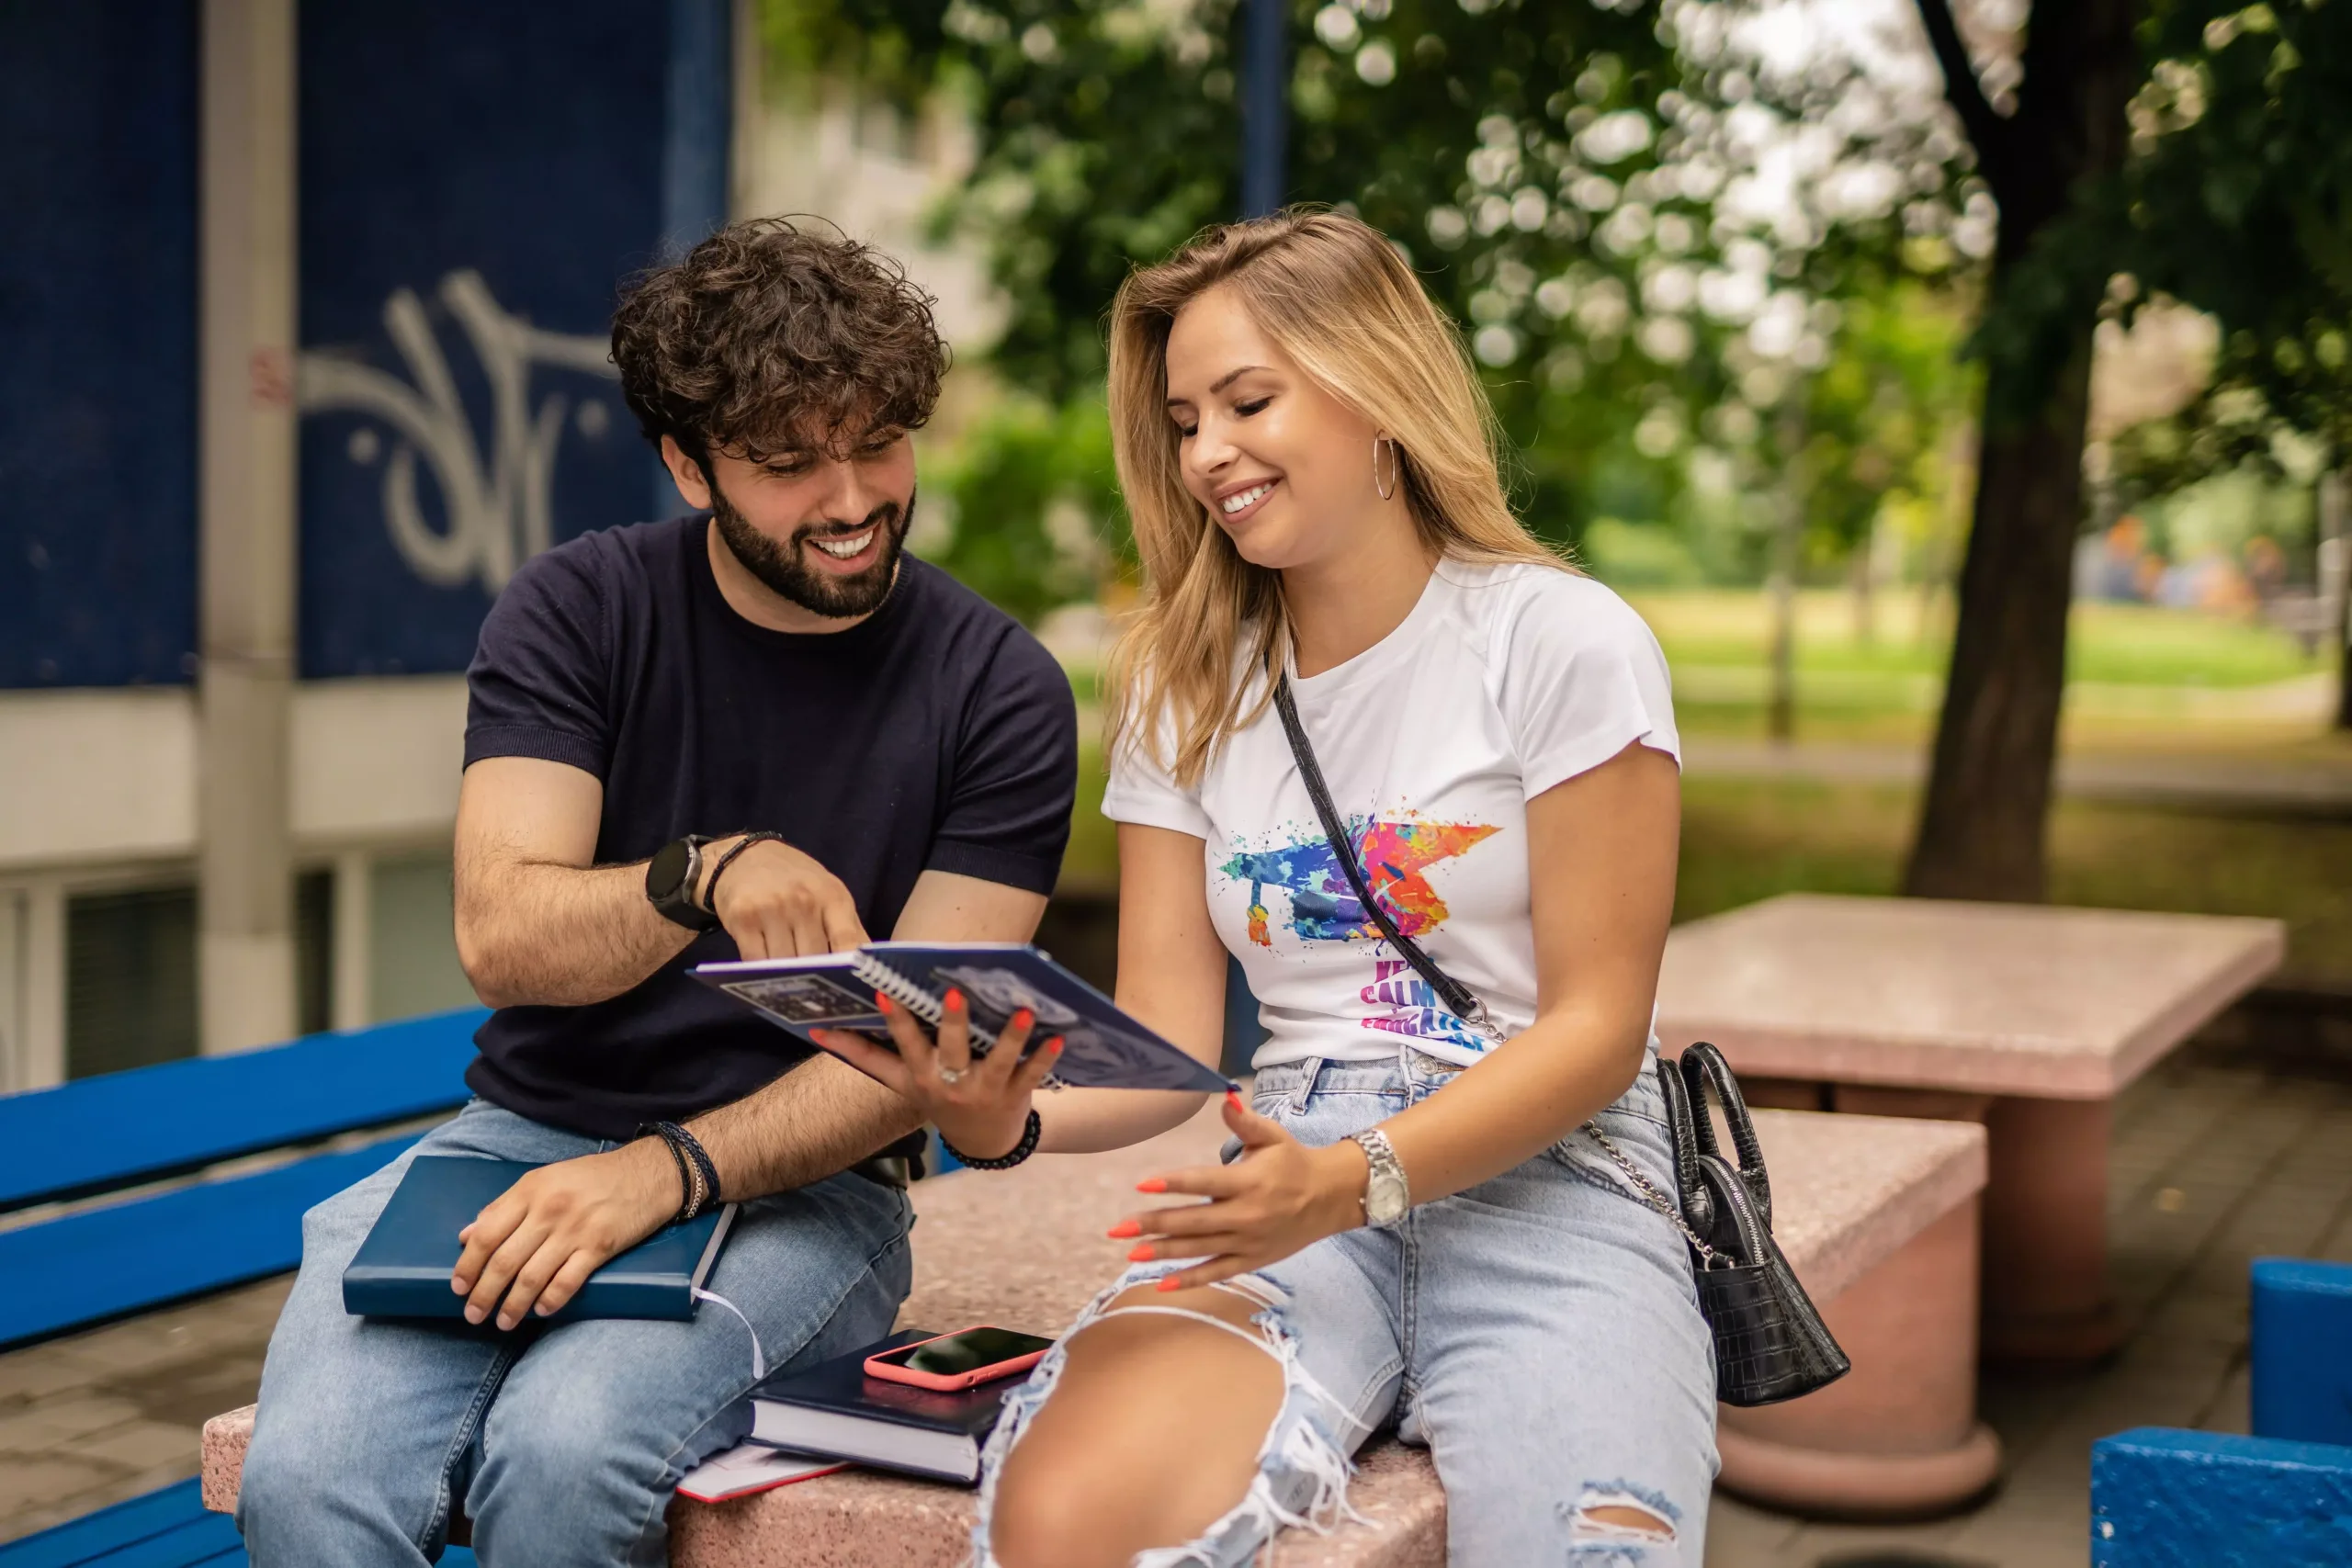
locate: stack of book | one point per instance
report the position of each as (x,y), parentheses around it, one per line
(833,1414)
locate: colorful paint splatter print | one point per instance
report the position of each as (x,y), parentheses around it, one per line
(1395,854)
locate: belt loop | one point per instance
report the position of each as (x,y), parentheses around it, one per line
(1309,1071)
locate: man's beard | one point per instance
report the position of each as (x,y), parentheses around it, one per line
(826,594)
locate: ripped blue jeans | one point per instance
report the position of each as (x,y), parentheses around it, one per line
(1539,1334)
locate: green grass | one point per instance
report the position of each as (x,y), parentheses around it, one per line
(1746,838)
(2108,643)
(2134,671)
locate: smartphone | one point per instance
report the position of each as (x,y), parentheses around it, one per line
(962,1359)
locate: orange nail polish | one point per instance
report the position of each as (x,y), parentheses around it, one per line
(1170,1283)
(1152,1184)
(953,1001)
(1055,1045)
(1234,1099)
(1125,1229)
(1141,1254)
(1023,1019)
(884,1005)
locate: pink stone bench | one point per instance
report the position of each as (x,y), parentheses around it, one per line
(1877,1215)
(2026,1018)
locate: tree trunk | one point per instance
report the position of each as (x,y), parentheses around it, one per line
(1981,833)
(1983,827)
(1780,583)
(2335,541)
(1861,580)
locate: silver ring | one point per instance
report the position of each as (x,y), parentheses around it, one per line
(951,1075)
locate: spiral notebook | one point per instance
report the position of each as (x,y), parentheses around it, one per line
(1102,1046)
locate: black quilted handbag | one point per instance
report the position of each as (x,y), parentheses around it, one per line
(1770,1343)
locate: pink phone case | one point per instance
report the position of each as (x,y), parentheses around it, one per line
(890,1371)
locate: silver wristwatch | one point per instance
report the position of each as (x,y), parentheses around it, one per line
(1385,1196)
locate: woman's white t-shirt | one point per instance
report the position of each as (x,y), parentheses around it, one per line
(1501,682)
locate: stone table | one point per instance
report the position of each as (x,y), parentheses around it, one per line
(2025,1018)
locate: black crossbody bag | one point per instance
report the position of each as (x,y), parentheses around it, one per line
(1770,1343)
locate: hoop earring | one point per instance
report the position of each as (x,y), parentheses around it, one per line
(1396,467)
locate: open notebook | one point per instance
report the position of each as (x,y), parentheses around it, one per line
(1103,1047)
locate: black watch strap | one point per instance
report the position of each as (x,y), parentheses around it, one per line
(670,879)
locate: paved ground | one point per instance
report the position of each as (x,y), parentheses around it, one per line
(96,1418)
(2215,1164)
(2217,1159)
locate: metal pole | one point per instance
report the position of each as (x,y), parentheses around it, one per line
(1265,105)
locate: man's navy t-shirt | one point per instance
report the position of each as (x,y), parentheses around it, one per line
(934,735)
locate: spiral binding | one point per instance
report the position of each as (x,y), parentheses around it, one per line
(924,1006)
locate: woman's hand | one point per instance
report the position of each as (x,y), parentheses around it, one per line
(981,1107)
(1279,1197)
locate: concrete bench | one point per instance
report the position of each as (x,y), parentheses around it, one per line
(1878,1216)
(2028,1019)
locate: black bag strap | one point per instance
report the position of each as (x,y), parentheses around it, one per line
(1459,1000)
(1703,1068)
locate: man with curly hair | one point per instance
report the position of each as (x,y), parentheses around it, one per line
(763,733)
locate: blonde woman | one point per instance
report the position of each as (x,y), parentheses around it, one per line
(1415,1230)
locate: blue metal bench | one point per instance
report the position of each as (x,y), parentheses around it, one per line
(2300,1326)
(165,1528)
(2164,1498)
(108,1134)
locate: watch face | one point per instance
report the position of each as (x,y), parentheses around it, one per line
(1383,1199)
(667,869)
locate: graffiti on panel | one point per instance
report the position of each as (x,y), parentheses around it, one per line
(496,507)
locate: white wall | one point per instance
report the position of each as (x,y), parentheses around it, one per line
(97,790)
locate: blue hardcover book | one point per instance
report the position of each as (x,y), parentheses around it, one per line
(402,1268)
(1103,1047)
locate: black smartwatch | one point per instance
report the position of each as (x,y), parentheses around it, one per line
(670,877)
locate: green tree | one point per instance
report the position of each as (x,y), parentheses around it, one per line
(1031,505)
(2201,149)
(2246,134)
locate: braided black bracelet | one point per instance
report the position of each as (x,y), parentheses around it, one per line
(685,1176)
(689,1147)
(1020,1151)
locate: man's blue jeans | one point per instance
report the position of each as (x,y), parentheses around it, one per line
(563,1443)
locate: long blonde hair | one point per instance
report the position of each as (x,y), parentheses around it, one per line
(1335,296)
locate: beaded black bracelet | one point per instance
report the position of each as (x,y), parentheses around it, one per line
(1020,1151)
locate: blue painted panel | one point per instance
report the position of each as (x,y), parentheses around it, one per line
(98,314)
(209,1541)
(103,1263)
(2161,1498)
(120,1128)
(478,178)
(2302,1351)
(79,1541)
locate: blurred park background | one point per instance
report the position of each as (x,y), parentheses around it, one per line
(1962,389)
(1782,302)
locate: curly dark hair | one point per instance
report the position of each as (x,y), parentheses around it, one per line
(769,338)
